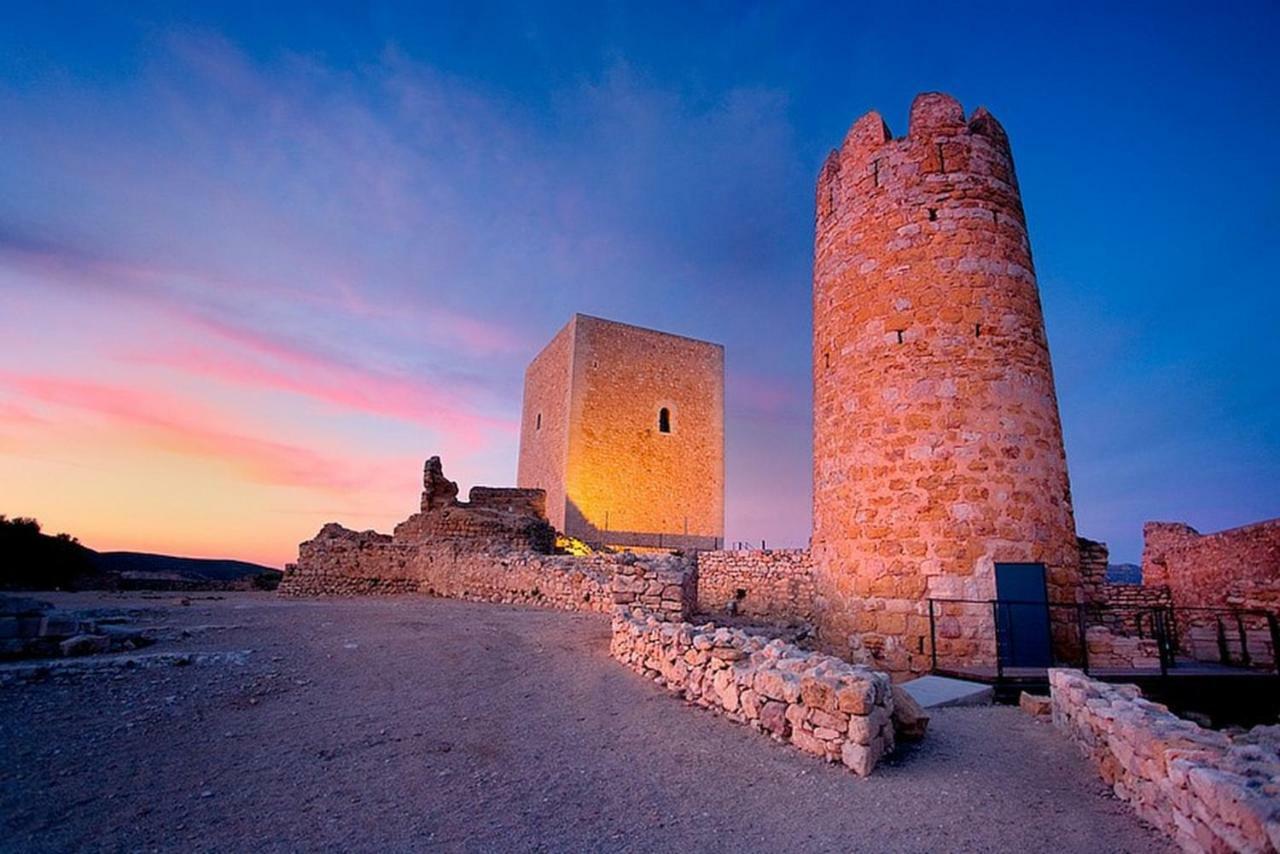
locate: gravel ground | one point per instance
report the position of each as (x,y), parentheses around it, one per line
(414,723)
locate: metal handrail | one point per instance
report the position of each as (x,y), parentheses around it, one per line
(1162,620)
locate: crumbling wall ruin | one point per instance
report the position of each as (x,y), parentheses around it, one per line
(1238,568)
(494,548)
(342,562)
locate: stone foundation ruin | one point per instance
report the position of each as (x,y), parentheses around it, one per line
(1208,791)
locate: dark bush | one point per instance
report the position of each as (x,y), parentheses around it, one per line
(31,560)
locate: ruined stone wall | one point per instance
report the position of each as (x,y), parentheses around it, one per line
(1094,557)
(654,586)
(342,562)
(493,548)
(1235,568)
(1124,609)
(937,444)
(820,704)
(1198,786)
(626,481)
(775,584)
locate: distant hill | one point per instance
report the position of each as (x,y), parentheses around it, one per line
(187,567)
(33,560)
(1124,573)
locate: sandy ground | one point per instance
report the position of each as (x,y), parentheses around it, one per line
(413,723)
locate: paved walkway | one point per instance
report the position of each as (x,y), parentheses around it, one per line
(412,723)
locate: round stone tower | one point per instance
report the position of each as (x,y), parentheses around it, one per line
(937,444)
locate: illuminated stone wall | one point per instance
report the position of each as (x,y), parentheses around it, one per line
(1237,568)
(937,445)
(590,431)
(775,584)
(544,423)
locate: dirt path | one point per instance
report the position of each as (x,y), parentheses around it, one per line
(413,723)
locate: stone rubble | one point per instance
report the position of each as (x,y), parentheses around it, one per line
(1036,705)
(30,628)
(1208,792)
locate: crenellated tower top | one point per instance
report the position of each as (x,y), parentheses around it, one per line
(937,444)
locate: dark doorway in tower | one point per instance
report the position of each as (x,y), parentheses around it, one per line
(664,420)
(1022,615)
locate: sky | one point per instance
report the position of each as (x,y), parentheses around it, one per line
(258,261)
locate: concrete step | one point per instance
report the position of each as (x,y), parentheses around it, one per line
(935,692)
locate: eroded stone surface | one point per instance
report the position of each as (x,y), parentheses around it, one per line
(937,444)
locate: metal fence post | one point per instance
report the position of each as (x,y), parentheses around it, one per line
(933,639)
(1244,639)
(1084,638)
(995,624)
(1274,627)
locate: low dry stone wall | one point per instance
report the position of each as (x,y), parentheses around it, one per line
(663,588)
(825,706)
(1206,791)
(776,584)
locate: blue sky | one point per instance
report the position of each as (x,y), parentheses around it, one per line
(257,262)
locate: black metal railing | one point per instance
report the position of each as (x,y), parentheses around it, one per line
(1020,634)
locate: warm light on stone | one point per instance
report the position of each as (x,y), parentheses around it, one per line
(596,402)
(937,445)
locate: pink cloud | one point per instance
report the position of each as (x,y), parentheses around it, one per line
(175,288)
(276,365)
(181,426)
(13,414)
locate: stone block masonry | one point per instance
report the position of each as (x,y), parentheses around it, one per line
(663,588)
(1117,610)
(774,584)
(824,706)
(341,562)
(623,427)
(1237,568)
(937,444)
(1208,792)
